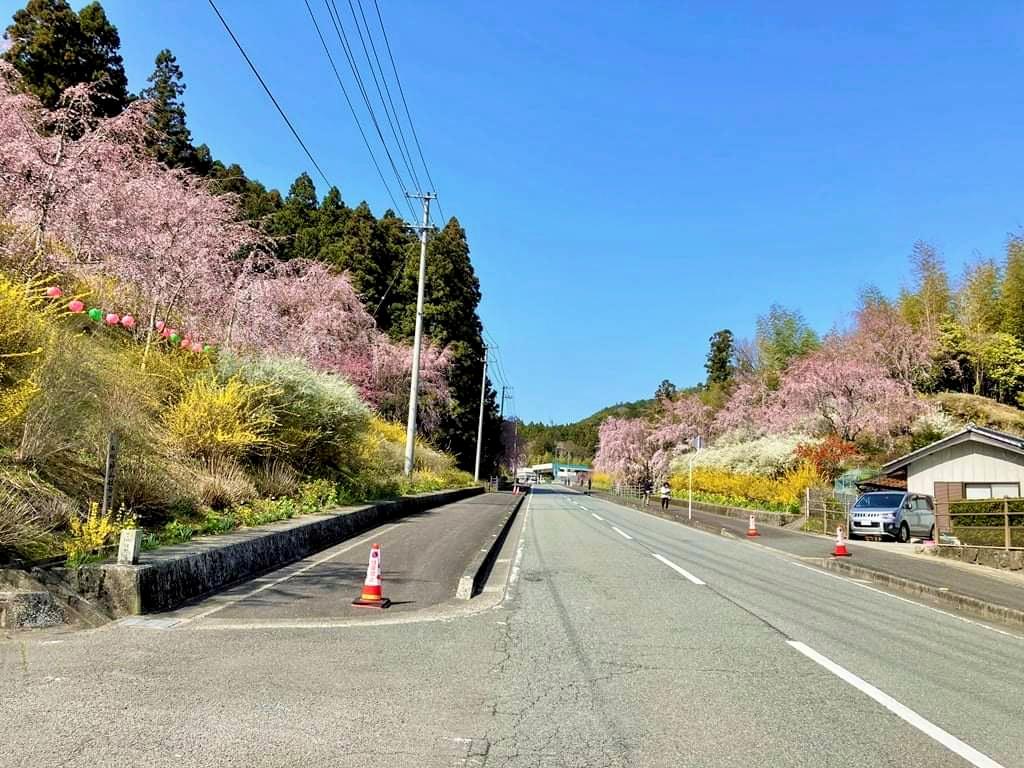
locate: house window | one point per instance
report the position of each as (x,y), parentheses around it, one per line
(991,490)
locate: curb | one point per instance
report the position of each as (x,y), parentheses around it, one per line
(962,602)
(481,563)
(965,603)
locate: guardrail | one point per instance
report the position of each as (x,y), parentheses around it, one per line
(997,525)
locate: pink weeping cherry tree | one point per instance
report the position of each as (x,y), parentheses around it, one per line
(178,254)
(838,390)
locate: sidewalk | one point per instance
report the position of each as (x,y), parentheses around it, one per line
(997,596)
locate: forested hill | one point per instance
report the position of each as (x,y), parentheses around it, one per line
(576,441)
(378,253)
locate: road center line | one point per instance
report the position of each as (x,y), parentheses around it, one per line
(964,619)
(596,516)
(681,571)
(946,739)
(622,533)
(299,572)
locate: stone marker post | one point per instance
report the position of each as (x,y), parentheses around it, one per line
(130,546)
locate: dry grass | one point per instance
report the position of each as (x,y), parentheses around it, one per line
(222,483)
(974,409)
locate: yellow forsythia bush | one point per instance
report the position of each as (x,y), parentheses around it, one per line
(24,336)
(215,418)
(742,489)
(93,532)
(602,481)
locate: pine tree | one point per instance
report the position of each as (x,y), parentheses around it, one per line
(665,391)
(719,360)
(53,48)
(294,225)
(171,139)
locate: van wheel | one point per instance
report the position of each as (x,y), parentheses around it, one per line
(904,534)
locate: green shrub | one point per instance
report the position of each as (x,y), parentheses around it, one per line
(319,415)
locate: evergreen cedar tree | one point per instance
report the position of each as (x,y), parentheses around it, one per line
(53,48)
(719,363)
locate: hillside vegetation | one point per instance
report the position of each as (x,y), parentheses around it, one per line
(795,408)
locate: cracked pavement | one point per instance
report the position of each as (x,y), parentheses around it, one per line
(599,655)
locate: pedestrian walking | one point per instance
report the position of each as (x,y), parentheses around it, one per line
(648,486)
(590,483)
(666,494)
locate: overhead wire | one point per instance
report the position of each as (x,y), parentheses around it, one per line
(405,104)
(355,116)
(266,88)
(403,147)
(339,28)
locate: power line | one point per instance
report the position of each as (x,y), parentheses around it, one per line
(403,148)
(355,116)
(405,104)
(339,28)
(266,88)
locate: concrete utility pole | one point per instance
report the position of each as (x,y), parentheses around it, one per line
(480,427)
(501,408)
(414,387)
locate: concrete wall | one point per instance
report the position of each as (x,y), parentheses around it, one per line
(968,462)
(171,576)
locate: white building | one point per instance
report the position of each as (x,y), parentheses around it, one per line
(974,463)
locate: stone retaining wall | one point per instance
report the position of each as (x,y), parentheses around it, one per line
(992,557)
(168,577)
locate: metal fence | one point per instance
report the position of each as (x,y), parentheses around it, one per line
(825,509)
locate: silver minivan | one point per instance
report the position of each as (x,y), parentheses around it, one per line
(893,515)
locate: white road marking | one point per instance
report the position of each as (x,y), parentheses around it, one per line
(858,583)
(946,739)
(518,563)
(681,571)
(596,517)
(361,542)
(622,533)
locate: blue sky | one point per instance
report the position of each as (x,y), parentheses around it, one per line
(635,176)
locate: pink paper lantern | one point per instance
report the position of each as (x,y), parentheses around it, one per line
(54,292)
(166,332)
(113,318)
(160,325)
(186,343)
(197,347)
(128,322)
(76,307)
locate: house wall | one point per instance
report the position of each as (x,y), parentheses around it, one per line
(968,462)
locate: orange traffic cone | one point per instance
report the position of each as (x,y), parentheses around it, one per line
(752,527)
(840,550)
(372,596)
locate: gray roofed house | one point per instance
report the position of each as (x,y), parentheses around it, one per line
(974,463)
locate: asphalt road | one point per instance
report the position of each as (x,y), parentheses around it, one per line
(423,556)
(624,640)
(979,583)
